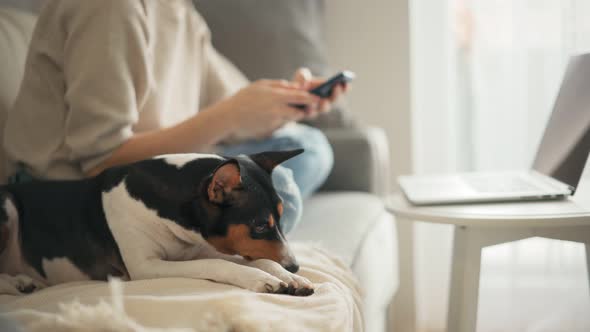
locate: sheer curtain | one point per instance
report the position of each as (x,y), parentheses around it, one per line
(518,53)
(485,75)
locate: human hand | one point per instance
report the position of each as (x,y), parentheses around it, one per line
(262,107)
(304,79)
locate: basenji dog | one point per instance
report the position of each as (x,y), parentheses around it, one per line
(197,216)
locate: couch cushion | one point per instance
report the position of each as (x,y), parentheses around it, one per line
(271,39)
(339,221)
(268,38)
(356,227)
(376,269)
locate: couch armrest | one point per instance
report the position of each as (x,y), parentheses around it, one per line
(361,160)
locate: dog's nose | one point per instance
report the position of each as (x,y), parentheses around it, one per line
(293,268)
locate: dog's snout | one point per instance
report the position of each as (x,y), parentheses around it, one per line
(293,267)
(289,262)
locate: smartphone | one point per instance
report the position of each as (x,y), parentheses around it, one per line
(326,89)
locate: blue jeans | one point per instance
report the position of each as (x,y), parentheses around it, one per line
(297,178)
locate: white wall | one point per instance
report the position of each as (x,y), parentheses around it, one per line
(371,38)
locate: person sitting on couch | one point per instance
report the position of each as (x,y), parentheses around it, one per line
(116,81)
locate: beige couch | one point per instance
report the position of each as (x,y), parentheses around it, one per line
(351,224)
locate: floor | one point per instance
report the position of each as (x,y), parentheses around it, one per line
(534,285)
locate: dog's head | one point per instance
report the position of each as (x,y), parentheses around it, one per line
(249,210)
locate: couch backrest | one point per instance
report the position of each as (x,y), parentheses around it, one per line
(28,5)
(16,28)
(271,39)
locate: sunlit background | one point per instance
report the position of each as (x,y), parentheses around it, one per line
(485,74)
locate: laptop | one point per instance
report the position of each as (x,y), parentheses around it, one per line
(557,167)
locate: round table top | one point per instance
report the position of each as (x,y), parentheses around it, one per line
(567,212)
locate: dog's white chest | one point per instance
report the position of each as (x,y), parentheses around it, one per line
(141,233)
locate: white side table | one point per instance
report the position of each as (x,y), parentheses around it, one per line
(478,226)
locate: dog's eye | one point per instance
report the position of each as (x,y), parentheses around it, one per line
(261,228)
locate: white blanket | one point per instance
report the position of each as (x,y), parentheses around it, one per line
(195,305)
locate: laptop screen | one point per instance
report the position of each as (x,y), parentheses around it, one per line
(565,144)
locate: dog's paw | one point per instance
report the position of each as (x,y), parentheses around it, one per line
(267,284)
(296,285)
(17,285)
(304,286)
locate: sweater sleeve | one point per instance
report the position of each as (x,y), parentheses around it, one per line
(107,75)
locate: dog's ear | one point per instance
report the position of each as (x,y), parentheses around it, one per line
(271,159)
(225,179)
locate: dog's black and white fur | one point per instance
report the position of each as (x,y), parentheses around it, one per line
(187,215)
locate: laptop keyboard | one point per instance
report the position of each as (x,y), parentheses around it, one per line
(500,184)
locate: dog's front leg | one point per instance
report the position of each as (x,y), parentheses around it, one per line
(211,269)
(297,285)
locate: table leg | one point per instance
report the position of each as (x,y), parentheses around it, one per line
(462,315)
(587,244)
(404,302)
